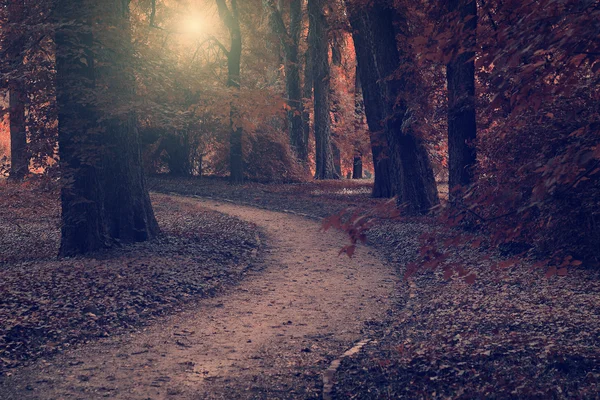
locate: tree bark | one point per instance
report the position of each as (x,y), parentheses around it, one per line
(337,159)
(15,45)
(104,198)
(231,20)
(357,166)
(179,150)
(412,178)
(460,73)
(290,42)
(307,92)
(373,104)
(318,41)
(359,112)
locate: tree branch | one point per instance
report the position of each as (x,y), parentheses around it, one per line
(215,41)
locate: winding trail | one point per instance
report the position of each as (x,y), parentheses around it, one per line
(272,336)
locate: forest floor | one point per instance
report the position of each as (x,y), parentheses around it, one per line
(270,336)
(512,334)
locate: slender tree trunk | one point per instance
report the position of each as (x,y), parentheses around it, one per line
(373,104)
(318,40)
(337,159)
(293,84)
(307,92)
(412,178)
(19,159)
(104,199)
(236,156)
(357,167)
(231,20)
(359,112)
(290,42)
(460,72)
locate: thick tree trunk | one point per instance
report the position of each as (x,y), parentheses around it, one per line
(325,168)
(412,178)
(15,46)
(236,156)
(104,199)
(460,72)
(373,104)
(83,226)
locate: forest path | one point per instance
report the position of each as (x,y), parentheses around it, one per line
(272,336)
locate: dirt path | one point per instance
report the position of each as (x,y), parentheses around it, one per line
(270,337)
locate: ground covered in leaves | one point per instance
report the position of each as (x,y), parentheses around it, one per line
(316,199)
(513,333)
(47,305)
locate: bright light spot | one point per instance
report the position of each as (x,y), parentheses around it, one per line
(193,25)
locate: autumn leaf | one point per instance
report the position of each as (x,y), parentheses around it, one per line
(551,272)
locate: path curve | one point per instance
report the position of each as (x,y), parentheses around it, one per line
(272,336)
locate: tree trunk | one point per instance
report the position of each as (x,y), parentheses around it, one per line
(325,168)
(460,73)
(357,166)
(179,149)
(294,90)
(373,104)
(15,47)
(307,92)
(337,159)
(104,199)
(19,160)
(412,178)
(231,20)
(290,42)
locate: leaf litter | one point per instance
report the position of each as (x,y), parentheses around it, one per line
(48,305)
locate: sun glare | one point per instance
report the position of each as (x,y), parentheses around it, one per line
(192,24)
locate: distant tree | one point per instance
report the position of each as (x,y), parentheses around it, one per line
(14,46)
(359,111)
(104,198)
(357,166)
(307,88)
(460,72)
(290,41)
(387,82)
(230,18)
(336,112)
(319,43)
